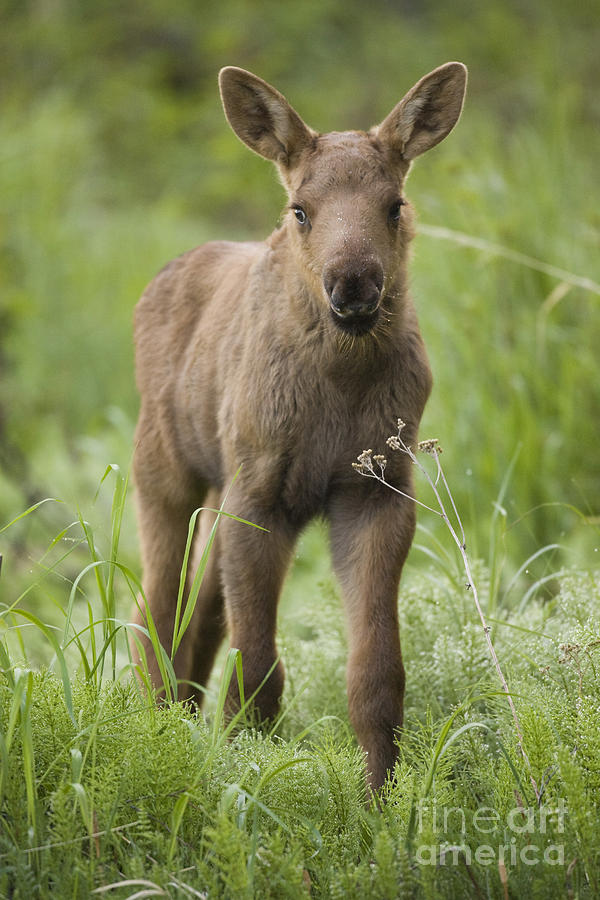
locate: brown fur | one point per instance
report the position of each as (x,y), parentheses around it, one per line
(289,357)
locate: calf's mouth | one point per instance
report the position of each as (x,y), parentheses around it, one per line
(355,324)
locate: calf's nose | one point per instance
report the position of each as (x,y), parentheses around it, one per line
(354,293)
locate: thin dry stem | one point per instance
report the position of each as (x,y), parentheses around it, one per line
(365,466)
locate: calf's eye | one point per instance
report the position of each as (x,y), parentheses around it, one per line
(395,208)
(301,216)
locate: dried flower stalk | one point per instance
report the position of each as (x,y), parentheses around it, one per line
(371,466)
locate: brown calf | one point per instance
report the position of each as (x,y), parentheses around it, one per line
(287,358)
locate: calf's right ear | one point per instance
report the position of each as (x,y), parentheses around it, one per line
(262,118)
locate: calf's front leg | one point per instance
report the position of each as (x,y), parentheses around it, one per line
(371,534)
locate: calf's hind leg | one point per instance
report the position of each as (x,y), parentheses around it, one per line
(165,507)
(163,534)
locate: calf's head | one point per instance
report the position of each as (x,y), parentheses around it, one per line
(348,220)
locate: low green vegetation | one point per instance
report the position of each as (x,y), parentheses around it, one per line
(103,791)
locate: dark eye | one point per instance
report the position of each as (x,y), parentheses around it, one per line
(301,216)
(394,213)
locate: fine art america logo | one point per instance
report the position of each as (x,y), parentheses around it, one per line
(520,831)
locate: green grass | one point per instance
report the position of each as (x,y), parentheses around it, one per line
(102,790)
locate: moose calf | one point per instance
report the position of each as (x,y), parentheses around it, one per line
(286,358)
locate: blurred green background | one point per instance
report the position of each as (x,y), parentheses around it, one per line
(115,156)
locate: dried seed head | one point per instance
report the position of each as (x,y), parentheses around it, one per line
(365,463)
(431,446)
(393,442)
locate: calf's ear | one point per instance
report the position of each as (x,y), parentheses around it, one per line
(262,118)
(428,112)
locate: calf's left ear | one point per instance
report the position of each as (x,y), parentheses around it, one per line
(428,113)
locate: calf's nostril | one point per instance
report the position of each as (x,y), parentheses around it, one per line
(329,283)
(339,301)
(349,301)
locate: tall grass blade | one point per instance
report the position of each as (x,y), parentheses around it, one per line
(468,240)
(179,628)
(117,511)
(522,568)
(28,512)
(442,745)
(181,623)
(28,753)
(18,690)
(553,576)
(48,633)
(6,666)
(496,535)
